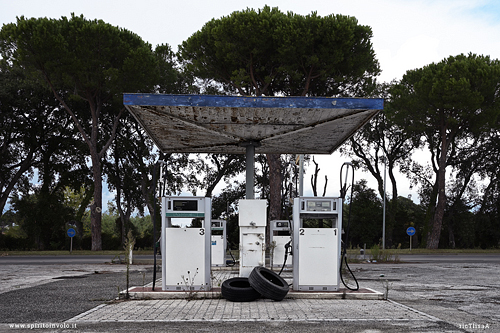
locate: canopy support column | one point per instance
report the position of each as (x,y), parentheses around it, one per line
(250,167)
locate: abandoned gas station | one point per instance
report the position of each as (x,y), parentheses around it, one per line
(251,125)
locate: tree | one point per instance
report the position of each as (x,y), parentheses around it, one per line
(223,208)
(447,103)
(408,214)
(35,134)
(267,52)
(88,61)
(367,210)
(487,217)
(21,122)
(79,199)
(43,216)
(226,166)
(124,178)
(383,145)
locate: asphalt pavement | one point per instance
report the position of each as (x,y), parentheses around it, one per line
(487,258)
(59,259)
(432,295)
(102,259)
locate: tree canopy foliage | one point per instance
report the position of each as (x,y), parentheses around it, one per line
(90,62)
(267,52)
(450,104)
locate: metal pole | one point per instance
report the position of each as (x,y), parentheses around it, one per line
(154,225)
(250,170)
(383,218)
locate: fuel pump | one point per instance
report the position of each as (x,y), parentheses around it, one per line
(219,242)
(252,221)
(317,227)
(281,236)
(186,252)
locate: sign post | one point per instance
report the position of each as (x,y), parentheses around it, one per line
(410,231)
(71,234)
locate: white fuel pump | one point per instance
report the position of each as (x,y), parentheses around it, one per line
(280,234)
(186,252)
(317,228)
(252,221)
(219,242)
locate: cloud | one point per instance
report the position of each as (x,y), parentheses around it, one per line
(418,51)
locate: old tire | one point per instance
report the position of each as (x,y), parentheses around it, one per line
(238,289)
(268,283)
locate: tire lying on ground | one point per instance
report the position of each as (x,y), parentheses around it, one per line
(238,289)
(268,283)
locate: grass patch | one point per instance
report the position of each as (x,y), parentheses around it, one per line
(444,251)
(419,251)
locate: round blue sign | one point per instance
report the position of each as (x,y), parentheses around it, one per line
(71,232)
(411,231)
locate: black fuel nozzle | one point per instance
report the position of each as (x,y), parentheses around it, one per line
(288,247)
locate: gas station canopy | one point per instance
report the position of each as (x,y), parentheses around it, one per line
(227,124)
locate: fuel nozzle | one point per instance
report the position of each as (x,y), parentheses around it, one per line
(288,251)
(288,247)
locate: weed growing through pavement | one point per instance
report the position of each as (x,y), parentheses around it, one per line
(189,285)
(215,282)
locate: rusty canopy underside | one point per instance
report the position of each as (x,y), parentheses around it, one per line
(227,124)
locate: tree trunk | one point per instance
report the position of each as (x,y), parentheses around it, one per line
(81,211)
(96,207)
(433,240)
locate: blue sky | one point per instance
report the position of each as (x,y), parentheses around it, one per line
(408,34)
(490,11)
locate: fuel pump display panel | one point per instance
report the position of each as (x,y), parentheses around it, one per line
(185,205)
(317,205)
(285,225)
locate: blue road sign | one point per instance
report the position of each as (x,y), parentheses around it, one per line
(71,232)
(411,231)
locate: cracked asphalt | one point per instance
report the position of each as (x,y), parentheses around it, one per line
(450,296)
